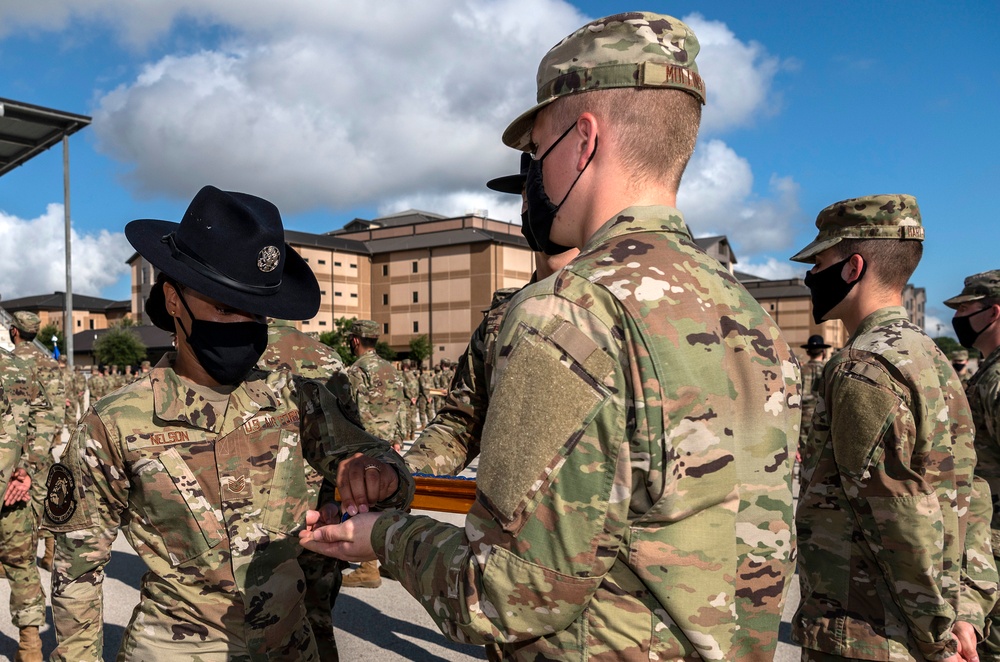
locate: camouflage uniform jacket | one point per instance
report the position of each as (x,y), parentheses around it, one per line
(378,391)
(634,486)
(884,500)
(11,447)
(812,377)
(48,413)
(21,392)
(984,401)
(411,386)
(211,499)
(451,441)
(426,383)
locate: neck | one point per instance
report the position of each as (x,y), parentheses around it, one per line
(867,304)
(987,343)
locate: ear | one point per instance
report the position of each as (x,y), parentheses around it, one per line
(586,134)
(170,299)
(854,268)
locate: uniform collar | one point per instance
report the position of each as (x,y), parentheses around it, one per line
(881,317)
(175,400)
(654,218)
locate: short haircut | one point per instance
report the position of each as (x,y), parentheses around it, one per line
(27,335)
(655,128)
(890,261)
(367,343)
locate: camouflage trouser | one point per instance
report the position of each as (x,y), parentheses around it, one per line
(989,650)
(809,655)
(323,579)
(424,411)
(18,555)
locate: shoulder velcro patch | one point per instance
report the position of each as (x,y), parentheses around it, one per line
(550,390)
(861,413)
(60,496)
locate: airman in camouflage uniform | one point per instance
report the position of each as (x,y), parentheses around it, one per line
(634,485)
(290,349)
(452,440)
(378,391)
(411,391)
(202,461)
(977,311)
(887,481)
(18,523)
(812,375)
(48,414)
(960,362)
(425,401)
(98,385)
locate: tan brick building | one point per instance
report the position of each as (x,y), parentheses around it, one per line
(89,313)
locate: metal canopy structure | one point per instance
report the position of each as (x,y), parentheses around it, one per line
(25,132)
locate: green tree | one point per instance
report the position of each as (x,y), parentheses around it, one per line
(420,348)
(45,337)
(386,352)
(337,339)
(949,345)
(119,346)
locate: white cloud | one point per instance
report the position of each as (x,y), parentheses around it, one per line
(738,76)
(33,256)
(938,323)
(770,268)
(500,207)
(717,197)
(337,105)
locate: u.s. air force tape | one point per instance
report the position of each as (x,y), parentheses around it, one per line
(60,498)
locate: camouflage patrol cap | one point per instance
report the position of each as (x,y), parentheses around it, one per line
(633,49)
(894,216)
(365,329)
(960,355)
(978,286)
(26,322)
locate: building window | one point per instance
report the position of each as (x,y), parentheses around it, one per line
(385,328)
(322,261)
(414,266)
(322,293)
(337,294)
(79,322)
(354,295)
(91,324)
(415,297)
(385,269)
(336,264)
(385,299)
(305,259)
(353,266)
(416,327)
(322,323)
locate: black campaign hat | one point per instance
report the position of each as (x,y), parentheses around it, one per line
(815,342)
(230,247)
(512,183)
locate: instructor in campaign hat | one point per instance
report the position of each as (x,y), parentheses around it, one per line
(201,462)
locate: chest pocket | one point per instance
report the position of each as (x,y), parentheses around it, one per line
(290,495)
(177,506)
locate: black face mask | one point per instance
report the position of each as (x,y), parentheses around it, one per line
(827,288)
(968,336)
(541,211)
(226,350)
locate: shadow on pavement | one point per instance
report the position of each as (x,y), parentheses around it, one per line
(112,639)
(380,629)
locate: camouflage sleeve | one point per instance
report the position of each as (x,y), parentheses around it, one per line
(554,479)
(979,571)
(906,515)
(451,441)
(44,433)
(329,435)
(87,492)
(11,447)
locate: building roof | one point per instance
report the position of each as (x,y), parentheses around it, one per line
(57,301)
(777,289)
(444,238)
(154,338)
(407,217)
(27,130)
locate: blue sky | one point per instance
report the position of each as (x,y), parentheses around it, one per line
(337,110)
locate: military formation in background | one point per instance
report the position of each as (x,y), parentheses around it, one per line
(636,414)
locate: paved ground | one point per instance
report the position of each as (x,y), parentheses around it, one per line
(383,624)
